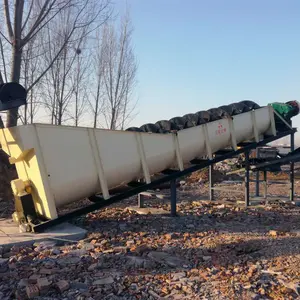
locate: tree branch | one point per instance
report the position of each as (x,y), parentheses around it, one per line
(51,63)
(28,15)
(1,82)
(3,61)
(8,20)
(38,20)
(42,16)
(5,38)
(19,6)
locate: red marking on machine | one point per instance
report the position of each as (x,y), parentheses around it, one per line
(221,130)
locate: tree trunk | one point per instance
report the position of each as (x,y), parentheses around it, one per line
(31,106)
(97,103)
(12,114)
(96,114)
(1,121)
(76,111)
(26,114)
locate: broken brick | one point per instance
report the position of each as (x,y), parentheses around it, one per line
(43,284)
(45,271)
(63,285)
(33,278)
(32,291)
(93,267)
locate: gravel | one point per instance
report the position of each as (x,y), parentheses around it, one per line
(212,250)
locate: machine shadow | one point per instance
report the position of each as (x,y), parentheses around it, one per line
(193,221)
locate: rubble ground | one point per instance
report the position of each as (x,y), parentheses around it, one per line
(212,250)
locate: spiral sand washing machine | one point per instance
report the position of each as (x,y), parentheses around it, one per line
(57,165)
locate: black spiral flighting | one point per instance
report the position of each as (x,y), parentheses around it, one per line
(165,125)
(203,117)
(251,105)
(137,129)
(191,120)
(150,127)
(217,114)
(198,118)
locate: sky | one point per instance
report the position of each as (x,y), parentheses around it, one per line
(195,55)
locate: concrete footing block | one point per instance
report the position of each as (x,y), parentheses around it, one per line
(10,234)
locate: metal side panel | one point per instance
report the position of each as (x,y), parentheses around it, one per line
(191,143)
(263,119)
(272,129)
(160,151)
(69,162)
(219,134)
(245,125)
(120,156)
(18,140)
(196,142)
(129,155)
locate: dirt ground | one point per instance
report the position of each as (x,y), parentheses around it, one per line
(211,250)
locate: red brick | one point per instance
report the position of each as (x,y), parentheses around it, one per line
(32,291)
(63,285)
(33,278)
(43,284)
(46,271)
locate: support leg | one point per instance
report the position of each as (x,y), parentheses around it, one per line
(211,183)
(265,186)
(257,184)
(173,198)
(141,201)
(292,165)
(247,185)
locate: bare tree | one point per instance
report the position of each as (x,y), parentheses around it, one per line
(31,18)
(1,79)
(97,81)
(80,84)
(30,63)
(119,73)
(1,120)
(64,83)
(58,78)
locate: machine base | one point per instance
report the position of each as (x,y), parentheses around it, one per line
(10,234)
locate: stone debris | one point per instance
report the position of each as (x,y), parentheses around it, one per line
(139,262)
(33,278)
(62,285)
(103,281)
(212,250)
(32,291)
(167,259)
(43,284)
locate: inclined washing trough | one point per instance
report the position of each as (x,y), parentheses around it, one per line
(58,165)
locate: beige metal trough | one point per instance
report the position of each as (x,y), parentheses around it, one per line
(61,164)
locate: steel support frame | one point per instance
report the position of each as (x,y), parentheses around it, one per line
(291,175)
(265,182)
(211,183)
(257,184)
(101,203)
(257,179)
(141,200)
(292,171)
(247,179)
(173,198)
